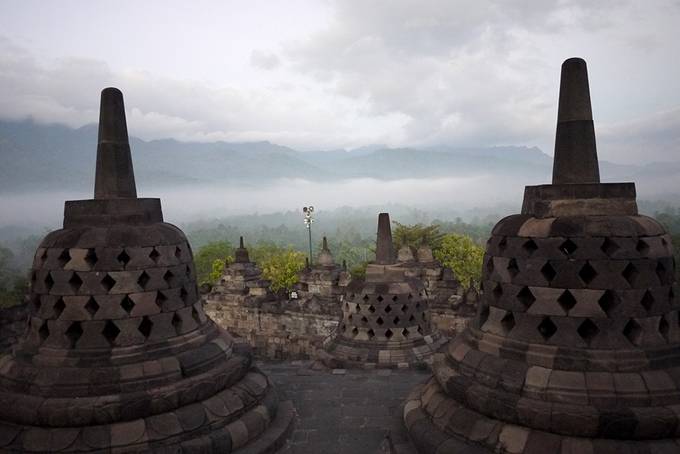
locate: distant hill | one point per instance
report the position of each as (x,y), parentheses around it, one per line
(37,157)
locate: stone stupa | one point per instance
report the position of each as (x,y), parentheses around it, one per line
(385,318)
(241,282)
(575,347)
(324,280)
(118,355)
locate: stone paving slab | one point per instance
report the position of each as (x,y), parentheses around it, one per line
(350,413)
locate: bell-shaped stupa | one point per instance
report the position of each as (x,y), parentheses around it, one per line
(385,317)
(118,355)
(324,281)
(575,347)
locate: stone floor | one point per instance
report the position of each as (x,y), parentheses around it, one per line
(345,411)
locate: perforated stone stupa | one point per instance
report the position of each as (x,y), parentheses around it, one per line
(118,355)
(385,317)
(576,345)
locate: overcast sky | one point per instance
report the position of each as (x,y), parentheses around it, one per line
(342,74)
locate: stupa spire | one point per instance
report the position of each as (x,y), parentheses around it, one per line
(241,254)
(384,251)
(115,177)
(575,150)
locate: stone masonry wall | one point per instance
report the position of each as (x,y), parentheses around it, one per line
(287,331)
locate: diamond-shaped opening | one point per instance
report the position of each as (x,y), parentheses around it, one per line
(187,271)
(412,318)
(357,309)
(380,298)
(91,258)
(389,333)
(609,301)
(508,322)
(49,281)
(548,272)
(350,317)
(343,328)
(547,328)
(396,320)
(647,301)
(127,304)
(633,332)
(110,332)
(410,297)
(609,246)
(168,277)
(355,331)
(195,315)
(404,308)
(587,273)
(395,298)
(73,333)
(587,330)
(388,309)
(530,246)
(503,244)
(498,291)
(44,332)
(630,274)
(380,321)
(364,320)
(145,327)
(642,247)
(177,323)
(108,282)
(75,282)
(366,298)
(143,279)
(525,297)
(420,330)
(183,294)
(661,273)
(371,333)
(664,328)
(371,309)
(489,265)
(154,255)
(64,258)
(405,332)
(178,252)
(59,307)
(91,306)
(123,258)
(566,301)
(513,269)
(568,247)
(43,257)
(160,298)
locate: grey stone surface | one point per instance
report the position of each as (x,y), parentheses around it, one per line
(350,413)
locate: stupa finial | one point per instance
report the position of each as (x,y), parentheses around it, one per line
(240,242)
(324,246)
(575,150)
(115,177)
(384,251)
(241,253)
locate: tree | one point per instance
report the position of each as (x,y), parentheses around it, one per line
(463,256)
(416,235)
(205,259)
(279,265)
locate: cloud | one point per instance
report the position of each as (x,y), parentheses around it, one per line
(264,60)
(397,72)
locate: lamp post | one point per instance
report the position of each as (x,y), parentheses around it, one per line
(309,220)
